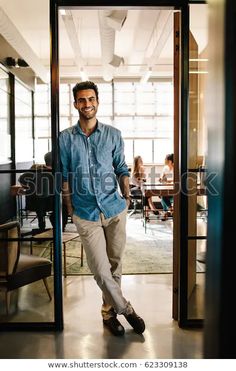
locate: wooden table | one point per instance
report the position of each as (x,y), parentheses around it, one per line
(66,237)
(167,189)
(158,189)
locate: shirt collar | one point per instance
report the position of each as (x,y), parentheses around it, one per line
(77,129)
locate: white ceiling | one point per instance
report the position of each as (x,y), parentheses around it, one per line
(144,41)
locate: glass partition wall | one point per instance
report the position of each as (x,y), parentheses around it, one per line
(6,202)
(196,163)
(23,124)
(26,267)
(5,149)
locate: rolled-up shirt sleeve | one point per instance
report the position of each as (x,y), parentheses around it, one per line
(64,155)
(119,164)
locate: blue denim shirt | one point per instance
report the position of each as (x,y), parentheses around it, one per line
(91,165)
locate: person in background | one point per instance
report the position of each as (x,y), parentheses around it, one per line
(48,163)
(138,178)
(93,164)
(167,176)
(39,192)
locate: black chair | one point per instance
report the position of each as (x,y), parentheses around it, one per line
(136,199)
(39,193)
(39,196)
(17,269)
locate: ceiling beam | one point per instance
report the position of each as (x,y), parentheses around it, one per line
(72,33)
(11,34)
(160,36)
(144,24)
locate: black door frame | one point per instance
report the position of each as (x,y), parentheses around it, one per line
(183,6)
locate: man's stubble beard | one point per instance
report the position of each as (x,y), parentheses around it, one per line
(89,115)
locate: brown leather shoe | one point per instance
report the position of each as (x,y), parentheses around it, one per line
(136,322)
(114,326)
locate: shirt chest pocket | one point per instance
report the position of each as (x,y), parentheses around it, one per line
(104,153)
(78,152)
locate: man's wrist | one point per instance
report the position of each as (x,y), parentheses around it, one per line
(70,210)
(126,197)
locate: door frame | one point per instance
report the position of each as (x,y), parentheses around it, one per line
(180,302)
(179,295)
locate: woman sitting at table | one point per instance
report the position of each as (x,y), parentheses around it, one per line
(167,177)
(137,179)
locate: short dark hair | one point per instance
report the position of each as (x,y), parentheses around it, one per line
(85,85)
(48,158)
(170,157)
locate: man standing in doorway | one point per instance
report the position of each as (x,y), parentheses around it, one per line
(93,163)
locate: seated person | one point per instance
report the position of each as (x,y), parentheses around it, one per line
(48,162)
(167,177)
(39,192)
(138,178)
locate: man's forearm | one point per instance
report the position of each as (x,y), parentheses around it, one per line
(66,195)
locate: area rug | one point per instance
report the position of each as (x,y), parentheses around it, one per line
(149,252)
(145,253)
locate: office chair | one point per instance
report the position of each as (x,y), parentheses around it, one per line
(39,193)
(136,199)
(17,269)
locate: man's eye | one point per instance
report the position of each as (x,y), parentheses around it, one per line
(91,100)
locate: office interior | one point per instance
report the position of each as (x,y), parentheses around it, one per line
(147,64)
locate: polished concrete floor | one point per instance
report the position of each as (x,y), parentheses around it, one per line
(85,338)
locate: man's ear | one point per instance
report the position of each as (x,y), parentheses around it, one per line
(75,105)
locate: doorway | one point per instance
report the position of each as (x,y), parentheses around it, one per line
(182,255)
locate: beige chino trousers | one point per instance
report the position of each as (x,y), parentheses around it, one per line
(104,243)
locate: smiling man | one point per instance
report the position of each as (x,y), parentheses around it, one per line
(93,164)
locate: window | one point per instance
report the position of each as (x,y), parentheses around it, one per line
(41,100)
(143,147)
(129,153)
(143,114)
(161,148)
(124,99)
(145,99)
(164,99)
(5,148)
(64,100)
(23,123)
(105,97)
(42,122)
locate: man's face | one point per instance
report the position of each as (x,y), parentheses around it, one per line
(86,103)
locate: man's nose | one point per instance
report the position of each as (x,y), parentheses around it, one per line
(87,103)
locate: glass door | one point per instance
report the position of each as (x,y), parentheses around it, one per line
(27,271)
(193,197)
